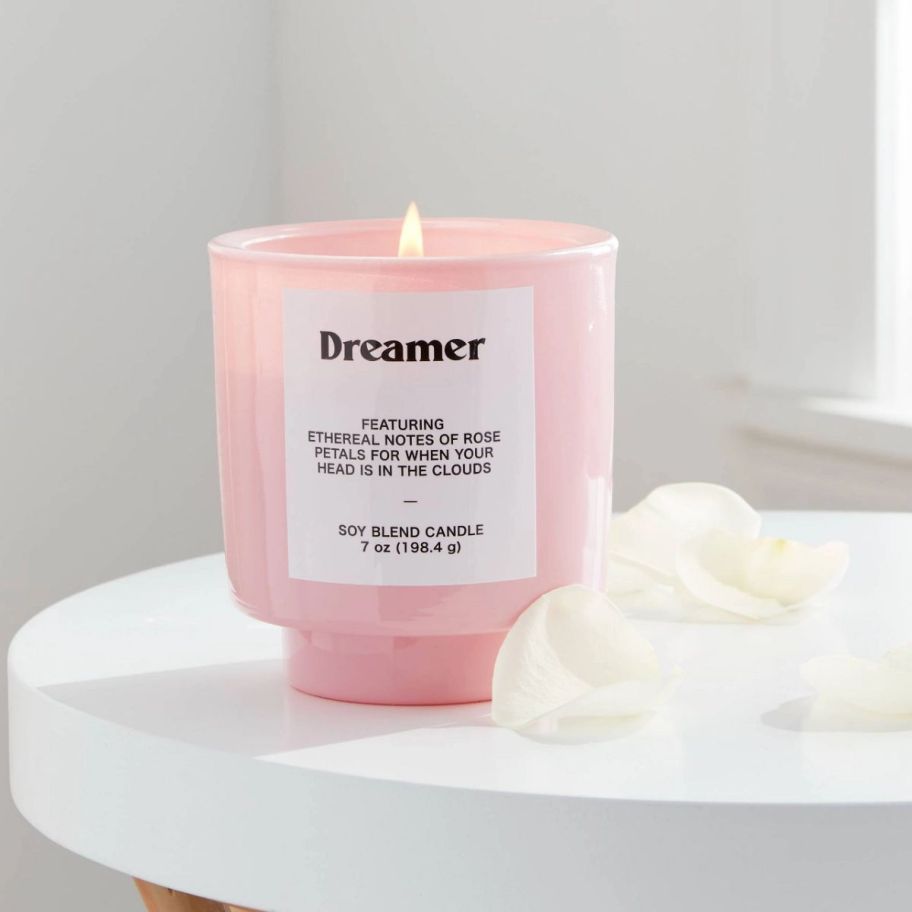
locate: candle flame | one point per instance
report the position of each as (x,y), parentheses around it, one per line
(411,240)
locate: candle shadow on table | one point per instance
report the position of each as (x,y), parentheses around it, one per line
(815,714)
(247,708)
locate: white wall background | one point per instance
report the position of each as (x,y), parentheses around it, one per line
(132,132)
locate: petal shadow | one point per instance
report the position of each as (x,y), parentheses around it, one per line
(816,714)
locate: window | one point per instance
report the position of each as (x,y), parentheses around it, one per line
(829,216)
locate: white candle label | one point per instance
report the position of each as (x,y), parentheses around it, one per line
(410,436)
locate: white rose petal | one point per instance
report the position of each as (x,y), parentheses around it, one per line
(758,577)
(572,654)
(883,686)
(651,533)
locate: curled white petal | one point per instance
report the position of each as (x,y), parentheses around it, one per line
(573,654)
(881,686)
(758,577)
(651,533)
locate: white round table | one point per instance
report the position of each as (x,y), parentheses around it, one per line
(152,731)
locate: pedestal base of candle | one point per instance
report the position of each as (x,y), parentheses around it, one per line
(402,671)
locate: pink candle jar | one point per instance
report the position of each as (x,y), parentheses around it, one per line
(412,449)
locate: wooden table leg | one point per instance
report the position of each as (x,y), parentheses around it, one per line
(162,899)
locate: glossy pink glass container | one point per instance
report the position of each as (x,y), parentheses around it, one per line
(385,615)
